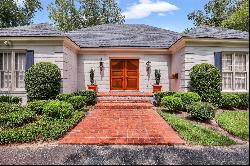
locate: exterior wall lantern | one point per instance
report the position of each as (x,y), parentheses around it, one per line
(148,69)
(101,65)
(174,76)
(7,43)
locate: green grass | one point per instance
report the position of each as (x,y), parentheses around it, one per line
(196,134)
(235,122)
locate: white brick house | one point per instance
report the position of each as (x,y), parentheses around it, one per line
(123,48)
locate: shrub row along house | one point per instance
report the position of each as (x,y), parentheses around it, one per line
(123,57)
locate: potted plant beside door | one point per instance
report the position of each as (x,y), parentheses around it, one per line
(93,86)
(156,86)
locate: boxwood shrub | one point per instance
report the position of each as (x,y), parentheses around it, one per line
(42,81)
(37,106)
(64,96)
(244,100)
(230,101)
(172,103)
(158,97)
(205,79)
(91,96)
(8,107)
(77,102)
(17,118)
(58,109)
(11,99)
(202,110)
(187,98)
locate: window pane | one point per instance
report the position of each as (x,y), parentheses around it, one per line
(5,70)
(240,81)
(20,69)
(227,62)
(1,61)
(240,62)
(227,81)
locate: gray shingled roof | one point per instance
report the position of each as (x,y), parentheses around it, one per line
(125,35)
(30,30)
(216,32)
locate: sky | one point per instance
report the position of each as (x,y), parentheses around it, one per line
(167,14)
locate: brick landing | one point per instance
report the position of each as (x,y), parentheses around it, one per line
(114,123)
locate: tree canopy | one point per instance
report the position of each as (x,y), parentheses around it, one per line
(14,14)
(238,20)
(233,14)
(69,15)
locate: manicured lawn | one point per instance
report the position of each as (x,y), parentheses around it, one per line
(43,128)
(195,134)
(235,122)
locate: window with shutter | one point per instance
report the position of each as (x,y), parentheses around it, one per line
(235,71)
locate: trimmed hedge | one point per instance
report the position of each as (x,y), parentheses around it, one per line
(58,109)
(229,101)
(207,82)
(36,106)
(158,97)
(91,96)
(43,129)
(17,118)
(64,96)
(77,101)
(43,81)
(8,107)
(187,98)
(172,103)
(202,110)
(244,100)
(11,99)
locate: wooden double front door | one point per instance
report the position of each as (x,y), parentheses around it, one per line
(124,74)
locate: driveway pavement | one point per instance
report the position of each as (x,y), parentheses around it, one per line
(123,155)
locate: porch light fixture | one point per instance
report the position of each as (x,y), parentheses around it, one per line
(101,65)
(148,68)
(174,76)
(7,43)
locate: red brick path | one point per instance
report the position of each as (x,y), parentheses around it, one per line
(122,122)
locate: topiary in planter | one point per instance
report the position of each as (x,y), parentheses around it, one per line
(42,81)
(172,103)
(205,79)
(230,101)
(202,110)
(187,98)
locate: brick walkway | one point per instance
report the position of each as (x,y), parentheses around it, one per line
(122,122)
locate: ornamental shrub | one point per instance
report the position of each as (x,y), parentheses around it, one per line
(91,96)
(244,100)
(77,101)
(10,99)
(36,106)
(16,118)
(58,109)
(64,96)
(172,103)
(187,98)
(42,81)
(158,97)
(202,110)
(229,101)
(206,81)
(8,107)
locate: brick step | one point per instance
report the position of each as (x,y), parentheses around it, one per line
(125,94)
(123,105)
(124,101)
(122,98)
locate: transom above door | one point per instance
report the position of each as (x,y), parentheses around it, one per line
(124,74)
